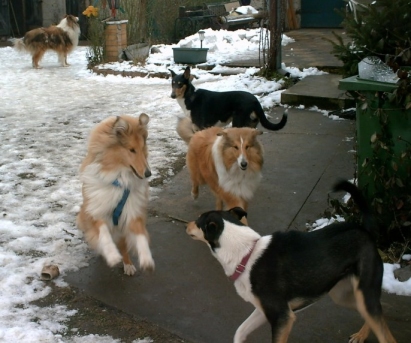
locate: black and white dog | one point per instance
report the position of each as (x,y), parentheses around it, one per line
(209,108)
(287,271)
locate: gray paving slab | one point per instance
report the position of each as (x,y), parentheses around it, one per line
(318,90)
(188,294)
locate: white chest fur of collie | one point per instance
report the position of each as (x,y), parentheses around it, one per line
(229,161)
(61,38)
(115,192)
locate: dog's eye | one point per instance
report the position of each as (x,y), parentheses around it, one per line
(133,150)
(235,147)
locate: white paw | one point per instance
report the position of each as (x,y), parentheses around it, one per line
(129,269)
(144,253)
(146,263)
(194,196)
(113,258)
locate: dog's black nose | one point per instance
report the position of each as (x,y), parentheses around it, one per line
(147,173)
(173,96)
(243,165)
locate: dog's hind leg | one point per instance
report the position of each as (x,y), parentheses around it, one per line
(194,191)
(129,268)
(254,321)
(369,306)
(360,336)
(280,316)
(281,326)
(219,203)
(343,295)
(37,56)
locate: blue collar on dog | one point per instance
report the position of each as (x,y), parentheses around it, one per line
(119,208)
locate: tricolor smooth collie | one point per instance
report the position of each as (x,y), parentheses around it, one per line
(61,38)
(229,161)
(204,108)
(285,272)
(115,192)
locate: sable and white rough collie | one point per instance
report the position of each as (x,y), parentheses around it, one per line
(115,191)
(62,38)
(229,161)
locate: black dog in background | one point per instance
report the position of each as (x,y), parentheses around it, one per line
(208,108)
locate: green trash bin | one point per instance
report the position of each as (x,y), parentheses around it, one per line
(377,117)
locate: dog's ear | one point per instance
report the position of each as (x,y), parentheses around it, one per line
(238,212)
(212,233)
(143,119)
(172,73)
(187,73)
(120,128)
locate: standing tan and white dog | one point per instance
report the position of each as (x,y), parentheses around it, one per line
(115,191)
(62,38)
(229,161)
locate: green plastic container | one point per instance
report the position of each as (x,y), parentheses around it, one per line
(368,125)
(190,55)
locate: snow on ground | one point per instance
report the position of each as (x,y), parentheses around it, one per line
(45,118)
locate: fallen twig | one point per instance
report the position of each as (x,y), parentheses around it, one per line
(178,219)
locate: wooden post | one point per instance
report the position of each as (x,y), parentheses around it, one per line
(115,40)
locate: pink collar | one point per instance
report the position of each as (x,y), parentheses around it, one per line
(241,267)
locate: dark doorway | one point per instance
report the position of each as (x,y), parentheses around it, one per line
(321,13)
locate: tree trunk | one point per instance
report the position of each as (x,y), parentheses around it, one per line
(275,27)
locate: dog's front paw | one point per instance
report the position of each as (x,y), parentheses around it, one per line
(357,338)
(147,264)
(194,193)
(113,258)
(129,269)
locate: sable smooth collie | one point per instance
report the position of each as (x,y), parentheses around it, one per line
(210,108)
(62,39)
(285,272)
(229,161)
(115,191)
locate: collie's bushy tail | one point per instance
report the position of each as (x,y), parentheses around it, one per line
(19,45)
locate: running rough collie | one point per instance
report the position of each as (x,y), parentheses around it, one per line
(62,38)
(229,161)
(288,271)
(115,191)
